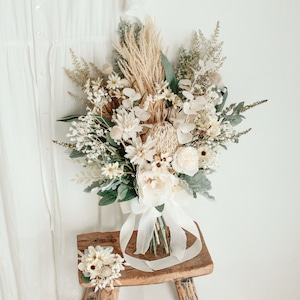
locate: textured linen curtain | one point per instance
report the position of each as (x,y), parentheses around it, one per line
(41,210)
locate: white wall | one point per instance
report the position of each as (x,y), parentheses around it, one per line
(252,229)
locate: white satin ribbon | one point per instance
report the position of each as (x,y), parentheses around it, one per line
(177,220)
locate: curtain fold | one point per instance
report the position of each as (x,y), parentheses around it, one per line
(41,209)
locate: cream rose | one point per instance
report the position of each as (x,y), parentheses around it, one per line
(186,161)
(155,188)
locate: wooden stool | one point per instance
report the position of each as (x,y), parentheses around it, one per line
(181,274)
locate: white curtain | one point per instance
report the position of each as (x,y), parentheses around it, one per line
(41,210)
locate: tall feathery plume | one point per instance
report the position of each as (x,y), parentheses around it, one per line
(141,64)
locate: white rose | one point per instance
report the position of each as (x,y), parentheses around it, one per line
(155,188)
(186,161)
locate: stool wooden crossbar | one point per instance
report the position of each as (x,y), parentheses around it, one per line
(181,274)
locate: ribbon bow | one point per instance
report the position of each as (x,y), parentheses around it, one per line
(145,216)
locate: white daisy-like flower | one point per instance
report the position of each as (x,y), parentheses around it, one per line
(139,153)
(161,162)
(159,87)
(101,266)
(127,125)
(207,157)
(168,95)
(112,170)
(114,81)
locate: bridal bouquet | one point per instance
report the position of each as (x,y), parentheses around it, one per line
(152,133)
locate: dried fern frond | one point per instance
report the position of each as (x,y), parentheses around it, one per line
(66,145)
(76,97)
(207,50)
(235,137)
(91,174)
(81,72)
(254,104)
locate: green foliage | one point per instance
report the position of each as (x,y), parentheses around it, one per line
(198,184)
(115,190)
(125,26)
(107,197)
(85,279)
(105,121)
(160,208)
(206,50)
(76,154)
(94,185)
(170,74)
(69,118)
(235,117)
(224,94)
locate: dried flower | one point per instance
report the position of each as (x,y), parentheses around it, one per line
(101,266)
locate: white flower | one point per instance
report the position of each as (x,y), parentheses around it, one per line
(215,128)
(141,113)
(207,156)
(168,95)
(127,125)
(101,266)
(161,162)
(114,81)
(155,188)
(131,94)
(139,153)
(161,86)
(191,106)
(112,170)
(183,126)
(186,161)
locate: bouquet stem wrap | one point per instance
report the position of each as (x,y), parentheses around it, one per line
(144,217)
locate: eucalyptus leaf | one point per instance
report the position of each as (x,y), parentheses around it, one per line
(105,120)
(238,109)
(220,106)
(94,185)
(85,279)
(198,184)
(234,119)
(110,140)
(131,193)
(125,180)
(75,154)
(170,74)
(69,118)
(108,197)
(160,208)
(122,191)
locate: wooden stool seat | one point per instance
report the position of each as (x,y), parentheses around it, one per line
(181,274)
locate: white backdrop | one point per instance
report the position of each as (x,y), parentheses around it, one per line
(251,230)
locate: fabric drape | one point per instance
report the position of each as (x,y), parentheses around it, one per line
(41,210)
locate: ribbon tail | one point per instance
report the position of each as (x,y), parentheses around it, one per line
(125,235)
(145,230)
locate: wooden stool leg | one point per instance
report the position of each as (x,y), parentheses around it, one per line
(89,294)
(109,294)
(186,289)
